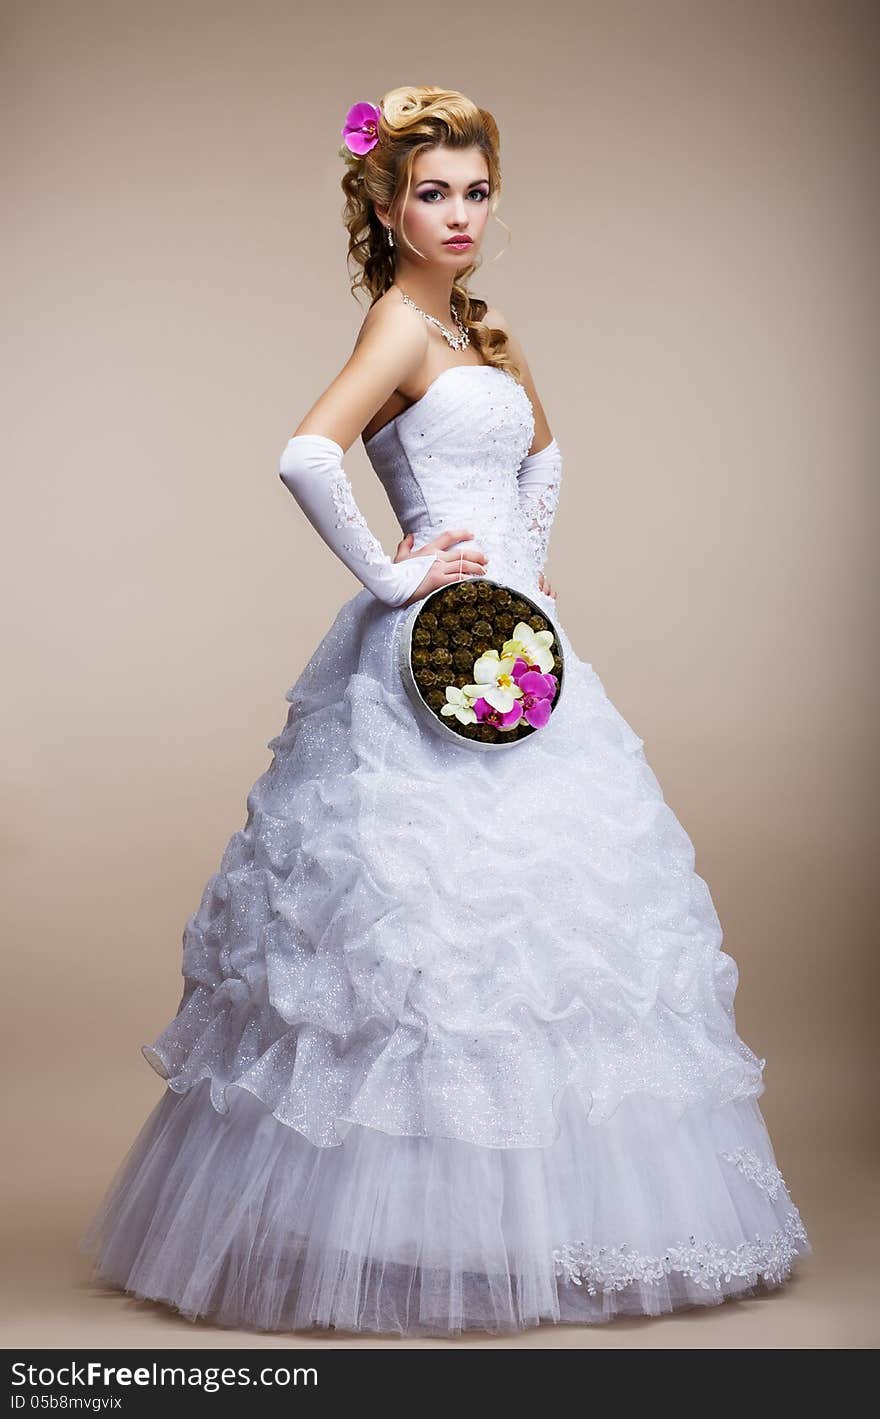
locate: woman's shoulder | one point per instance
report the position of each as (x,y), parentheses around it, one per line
(496,319)
(389,317)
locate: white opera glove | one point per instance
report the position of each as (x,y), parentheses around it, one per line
(539,478)
(311,467)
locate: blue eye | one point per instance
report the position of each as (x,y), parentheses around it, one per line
(435,191)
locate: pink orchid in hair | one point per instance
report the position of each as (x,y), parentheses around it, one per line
(361,128)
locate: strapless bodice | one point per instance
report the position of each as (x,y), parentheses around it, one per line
(451,459)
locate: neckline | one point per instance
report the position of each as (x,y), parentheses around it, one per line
(450,369)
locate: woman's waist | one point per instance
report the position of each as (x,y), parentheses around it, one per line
(503,541)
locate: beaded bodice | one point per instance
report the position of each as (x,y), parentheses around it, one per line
(451,459)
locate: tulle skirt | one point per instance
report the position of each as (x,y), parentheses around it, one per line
(237,1218)
(456,1046)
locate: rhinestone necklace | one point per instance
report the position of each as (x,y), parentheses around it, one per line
(459,341)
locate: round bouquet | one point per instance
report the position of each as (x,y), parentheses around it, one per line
(482,663)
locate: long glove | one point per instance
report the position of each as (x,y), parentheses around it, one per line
(311,467)
(539,478)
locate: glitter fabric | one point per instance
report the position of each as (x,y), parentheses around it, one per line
(451,460)
(456,1046)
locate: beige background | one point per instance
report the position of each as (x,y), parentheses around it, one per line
(692,195)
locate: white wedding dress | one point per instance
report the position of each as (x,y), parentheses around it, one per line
(456,1046)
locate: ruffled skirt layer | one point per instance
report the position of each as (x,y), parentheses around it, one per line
(456,1046)
(237,1218)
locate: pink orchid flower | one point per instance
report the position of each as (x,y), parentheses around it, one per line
(361,128)
(538,691)
(502,719)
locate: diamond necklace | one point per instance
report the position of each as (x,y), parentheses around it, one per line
(459,341)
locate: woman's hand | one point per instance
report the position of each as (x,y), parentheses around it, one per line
(450,566)
(545,586)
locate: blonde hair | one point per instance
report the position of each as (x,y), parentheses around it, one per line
(414,120)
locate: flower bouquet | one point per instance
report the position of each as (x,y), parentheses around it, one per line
(482,663)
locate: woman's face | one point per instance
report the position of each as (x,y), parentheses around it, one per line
(449,198)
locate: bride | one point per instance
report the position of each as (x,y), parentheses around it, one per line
(456,1046)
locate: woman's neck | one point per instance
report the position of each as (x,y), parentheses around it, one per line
(433,297)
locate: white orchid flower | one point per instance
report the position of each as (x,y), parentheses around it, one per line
(495,681)
(534,646)
(457,703)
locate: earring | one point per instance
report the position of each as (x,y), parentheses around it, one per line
(390,236)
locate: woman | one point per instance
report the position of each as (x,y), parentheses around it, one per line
(456,1046)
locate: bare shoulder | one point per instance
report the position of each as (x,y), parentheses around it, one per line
(388,350)
(390,321)
(497,320)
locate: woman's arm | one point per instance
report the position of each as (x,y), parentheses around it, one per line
(497,321)
(539,476)
(389,350)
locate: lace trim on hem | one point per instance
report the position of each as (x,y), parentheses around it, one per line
(766,1175)
(707,1264)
